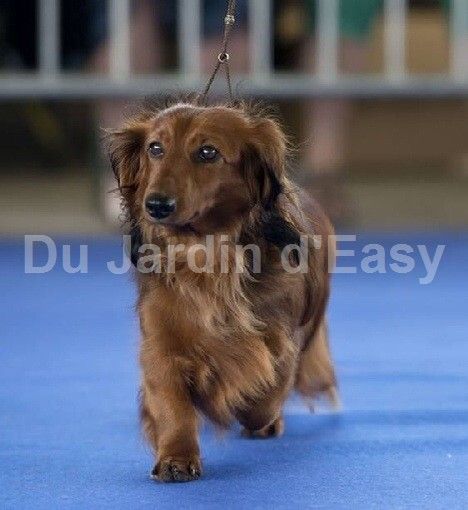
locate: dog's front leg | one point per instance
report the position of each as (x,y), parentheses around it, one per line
(170,422)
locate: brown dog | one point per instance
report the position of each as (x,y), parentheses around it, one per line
(231,342)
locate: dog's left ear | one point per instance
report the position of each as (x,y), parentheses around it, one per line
(264,162)
(265,172)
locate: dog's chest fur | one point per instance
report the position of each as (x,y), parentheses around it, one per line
(211,336)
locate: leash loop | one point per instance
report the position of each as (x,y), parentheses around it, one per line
(223,57)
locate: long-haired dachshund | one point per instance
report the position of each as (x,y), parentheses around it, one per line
(232,342)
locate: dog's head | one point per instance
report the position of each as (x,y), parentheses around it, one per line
(198,170)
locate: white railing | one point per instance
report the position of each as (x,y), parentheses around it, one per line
(50,82)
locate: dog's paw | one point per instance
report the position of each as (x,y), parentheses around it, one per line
(276,429)
(177,470)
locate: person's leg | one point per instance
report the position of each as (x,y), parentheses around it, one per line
(326,121)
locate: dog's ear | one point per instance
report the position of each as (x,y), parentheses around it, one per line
(136,241)
(264,161)
(265,170)
(123,147)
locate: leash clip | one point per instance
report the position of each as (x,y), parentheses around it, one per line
(229,19)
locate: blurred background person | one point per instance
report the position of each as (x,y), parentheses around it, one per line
(325,122)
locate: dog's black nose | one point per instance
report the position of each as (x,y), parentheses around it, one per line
(160,206)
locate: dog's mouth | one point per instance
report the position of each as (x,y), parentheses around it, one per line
(177,227)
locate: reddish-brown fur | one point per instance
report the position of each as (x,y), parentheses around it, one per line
(229,346)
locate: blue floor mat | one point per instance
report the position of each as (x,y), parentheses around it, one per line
(69,434)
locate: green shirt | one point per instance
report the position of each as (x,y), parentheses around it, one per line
(357,17)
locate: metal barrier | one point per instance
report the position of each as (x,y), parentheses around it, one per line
(50,82)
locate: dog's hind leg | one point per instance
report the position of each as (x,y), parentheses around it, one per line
(315,372)
(275,429)
(263,418)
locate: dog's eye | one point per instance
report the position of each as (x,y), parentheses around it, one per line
(208,153)
(156,149)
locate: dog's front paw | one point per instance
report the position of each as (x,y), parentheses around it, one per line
(171,469)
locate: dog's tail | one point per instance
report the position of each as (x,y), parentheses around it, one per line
(315,373)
